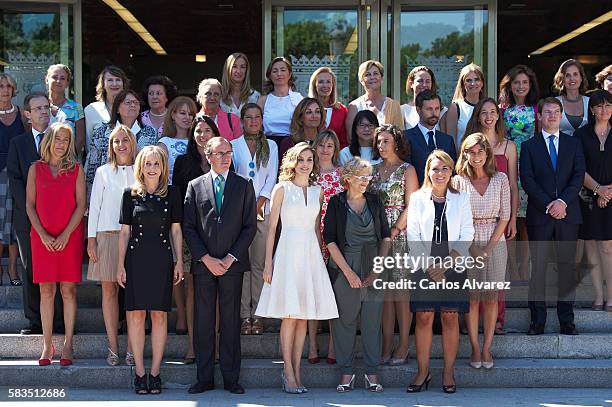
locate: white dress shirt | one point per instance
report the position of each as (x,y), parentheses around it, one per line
(545,134)
(105,203)
(95,116)
(424,130)
(263,178)
(35,133)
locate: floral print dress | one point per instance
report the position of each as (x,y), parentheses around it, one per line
(392,195)
(521,126)
(331,185)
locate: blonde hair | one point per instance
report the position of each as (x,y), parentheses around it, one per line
(312,87)
(447,160)
(558,80)
(290,159)
(176,104)
(112,157)
(62,67)
(226,79)
(68,161)
(463,163)
(460,89)
(11,82)
(601,76)
(139,186)
(363,68)
(322,137)
(354,166)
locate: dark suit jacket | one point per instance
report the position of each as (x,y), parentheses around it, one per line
(419,151)
(543,185)
(335,222)
(217,234)
(22,153)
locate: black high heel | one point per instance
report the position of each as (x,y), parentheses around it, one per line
(450,388)
(140,384)
(416,388)
(155,384)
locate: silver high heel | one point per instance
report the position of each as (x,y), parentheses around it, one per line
(343,388)
(373,387)
(287,389)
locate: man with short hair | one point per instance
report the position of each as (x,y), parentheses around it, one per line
(219,224)
(552,169)
(424,137)
(23,151)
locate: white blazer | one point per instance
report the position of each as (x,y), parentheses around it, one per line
(421,214)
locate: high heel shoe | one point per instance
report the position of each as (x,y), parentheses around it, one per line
(45,361)
(343,388)
(416,388)
(287,389)
(449,388)
(373,387)
(155,384)
(140,384)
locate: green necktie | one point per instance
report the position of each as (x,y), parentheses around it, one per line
(220,187)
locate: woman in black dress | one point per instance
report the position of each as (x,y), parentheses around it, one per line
(151,214)
(187,167)
(596,228)
(440,227)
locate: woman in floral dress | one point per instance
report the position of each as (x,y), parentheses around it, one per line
(327,146)
(394,180)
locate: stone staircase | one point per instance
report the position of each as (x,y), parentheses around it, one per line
(549,360)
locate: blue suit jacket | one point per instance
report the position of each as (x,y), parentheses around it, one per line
(543,184)
(419,151)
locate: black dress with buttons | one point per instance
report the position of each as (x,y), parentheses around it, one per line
(148,260)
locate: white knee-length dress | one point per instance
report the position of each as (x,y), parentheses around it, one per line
(300,285)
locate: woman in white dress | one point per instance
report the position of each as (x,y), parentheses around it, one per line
(297,286)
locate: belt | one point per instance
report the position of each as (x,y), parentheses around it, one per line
(395,206)
(485,221)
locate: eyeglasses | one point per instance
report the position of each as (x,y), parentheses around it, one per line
(222,154)
(41,109)
(131,102)
(362,178)
(364,126)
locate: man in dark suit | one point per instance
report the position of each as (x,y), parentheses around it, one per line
(424,137)
(552,171)
(219,225)
(23,151)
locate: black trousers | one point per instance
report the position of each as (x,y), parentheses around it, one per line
(553,243)
(31,291)
(207,288)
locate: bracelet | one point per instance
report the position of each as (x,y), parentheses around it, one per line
(596,188)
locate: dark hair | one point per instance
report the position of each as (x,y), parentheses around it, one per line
(250,106)
(30,96)
(112,70)
(114,116)
(192,153)
(426,95)
(558,84)
(549,101)
(169,86)
(268,86)
(364,114)
(506,98)
(598,97)
(402,147)
(473,125)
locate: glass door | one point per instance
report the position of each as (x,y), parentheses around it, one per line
(314,34)
(445,36)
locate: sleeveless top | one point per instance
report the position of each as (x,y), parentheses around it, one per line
(278,112)
(6,134)
(176,147)
(360,103)
(465,113)
(567,126)
(501,162)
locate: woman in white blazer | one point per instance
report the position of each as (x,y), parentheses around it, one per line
(439,227)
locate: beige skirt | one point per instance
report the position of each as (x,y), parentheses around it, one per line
(105,269)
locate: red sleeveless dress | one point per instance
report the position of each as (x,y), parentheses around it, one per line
(55,203)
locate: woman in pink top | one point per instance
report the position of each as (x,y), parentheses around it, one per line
(209,96)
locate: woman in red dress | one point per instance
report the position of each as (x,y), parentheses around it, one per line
(55,204)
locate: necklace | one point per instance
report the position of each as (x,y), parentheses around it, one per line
(438,197)
(573,100)
(8,111)
(158,115)
(602,139)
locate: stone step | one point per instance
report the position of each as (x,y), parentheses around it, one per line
(90,320)
(266,373)
(511,346)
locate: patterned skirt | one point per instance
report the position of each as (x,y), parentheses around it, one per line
(6,210)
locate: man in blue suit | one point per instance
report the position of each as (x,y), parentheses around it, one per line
(424,138)
(552,171)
